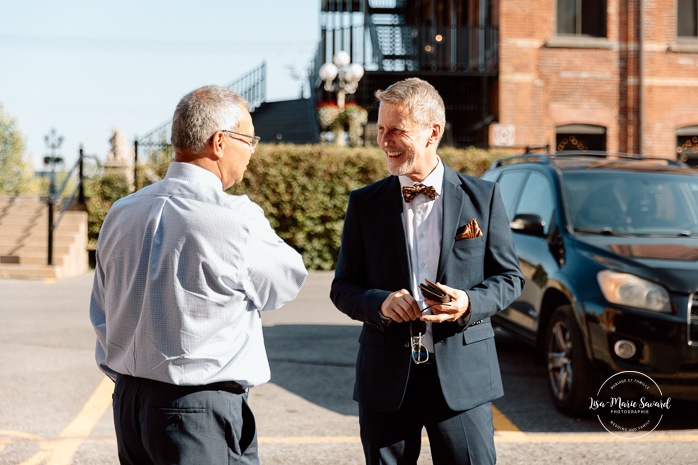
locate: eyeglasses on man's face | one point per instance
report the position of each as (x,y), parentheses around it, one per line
(249,140)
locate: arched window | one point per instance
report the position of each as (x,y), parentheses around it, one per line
(582,137)
(687,145)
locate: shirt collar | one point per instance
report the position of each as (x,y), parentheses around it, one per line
(193,173)
(435,179)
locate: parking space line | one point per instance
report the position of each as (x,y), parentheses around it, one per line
(501,422)
(500,437)
(61,451)
(576,438)
(310,440)
(95,407)
(36,459)
(19,434)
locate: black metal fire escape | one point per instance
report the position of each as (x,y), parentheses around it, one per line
(392,41)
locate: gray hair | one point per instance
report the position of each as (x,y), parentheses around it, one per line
(201,113)
(420,98)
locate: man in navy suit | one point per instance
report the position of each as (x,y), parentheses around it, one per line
(435,368)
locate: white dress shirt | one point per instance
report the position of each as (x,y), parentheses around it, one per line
(423,228)
(183,270)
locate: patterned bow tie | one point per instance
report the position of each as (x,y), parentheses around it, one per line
(410,192)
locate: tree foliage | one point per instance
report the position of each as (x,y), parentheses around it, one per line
(304,189)
(16,175)
(104,190)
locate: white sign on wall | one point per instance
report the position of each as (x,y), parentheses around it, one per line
(503,135)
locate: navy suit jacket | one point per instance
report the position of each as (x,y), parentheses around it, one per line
(374,261)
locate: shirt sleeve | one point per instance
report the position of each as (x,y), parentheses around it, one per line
(275,271)
(99,320)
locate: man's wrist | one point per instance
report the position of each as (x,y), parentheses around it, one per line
(465,317)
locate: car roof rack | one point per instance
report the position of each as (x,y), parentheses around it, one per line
(548,158)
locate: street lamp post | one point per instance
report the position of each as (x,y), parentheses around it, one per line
(341,76)
(53,142)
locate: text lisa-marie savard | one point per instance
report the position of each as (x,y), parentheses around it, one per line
(620,403)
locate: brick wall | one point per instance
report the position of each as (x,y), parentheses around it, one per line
(548,81)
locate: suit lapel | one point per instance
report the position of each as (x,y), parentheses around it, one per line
(454,198)
(395,225)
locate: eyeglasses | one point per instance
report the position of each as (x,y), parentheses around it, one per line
(434,305)
(420,354)
(252,142)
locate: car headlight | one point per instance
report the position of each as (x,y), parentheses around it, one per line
(631,291)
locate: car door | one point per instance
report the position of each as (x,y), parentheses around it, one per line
(536,197)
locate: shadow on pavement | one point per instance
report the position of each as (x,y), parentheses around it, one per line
(528,405)
(315,362)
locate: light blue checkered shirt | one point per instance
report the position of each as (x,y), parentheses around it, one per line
(183,270)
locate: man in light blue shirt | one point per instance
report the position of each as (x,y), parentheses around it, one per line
(183,270)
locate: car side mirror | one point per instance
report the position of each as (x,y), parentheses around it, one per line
(528,223)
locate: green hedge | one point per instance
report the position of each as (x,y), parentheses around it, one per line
(303,190)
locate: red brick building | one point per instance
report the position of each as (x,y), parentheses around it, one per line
(593,74)
(621,80)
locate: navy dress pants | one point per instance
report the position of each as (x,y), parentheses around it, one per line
(455,438)
(163,424)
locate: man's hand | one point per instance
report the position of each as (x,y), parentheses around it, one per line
(400,306)
(459,306)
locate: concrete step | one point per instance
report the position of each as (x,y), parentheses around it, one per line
(36,239)
(58,259)
(23,210)
(24,240)
(22,200)
(39,218)
(44,272)
(38,249)
(19,229)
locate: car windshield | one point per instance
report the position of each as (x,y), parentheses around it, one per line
(632,203)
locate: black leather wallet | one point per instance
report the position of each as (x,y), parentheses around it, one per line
(432,291)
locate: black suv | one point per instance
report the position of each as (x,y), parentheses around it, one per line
(609,248)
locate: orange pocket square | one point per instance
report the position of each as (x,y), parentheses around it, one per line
(469,231)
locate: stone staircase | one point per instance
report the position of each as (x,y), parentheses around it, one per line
(24,240)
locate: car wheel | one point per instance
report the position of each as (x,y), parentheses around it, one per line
(570,374)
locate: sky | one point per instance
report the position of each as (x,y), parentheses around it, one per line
(87,67)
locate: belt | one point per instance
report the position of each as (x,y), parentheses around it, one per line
(227,386)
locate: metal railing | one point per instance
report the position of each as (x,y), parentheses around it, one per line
(397,47)
(75,175)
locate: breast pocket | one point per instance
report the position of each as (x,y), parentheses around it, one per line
(470,243)
(470,251)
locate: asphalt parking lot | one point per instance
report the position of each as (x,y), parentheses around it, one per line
(55,404)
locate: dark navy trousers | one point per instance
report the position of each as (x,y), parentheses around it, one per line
(163,424)
(456,438)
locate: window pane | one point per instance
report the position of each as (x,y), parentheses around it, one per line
(633,202)
(687,149)
(581,142)
(509,186)
(686,18)
(537,198)
(594,18)
(566,17)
